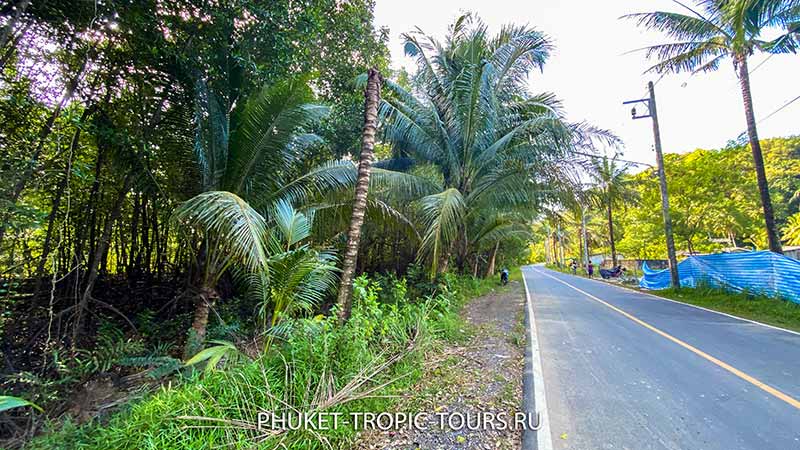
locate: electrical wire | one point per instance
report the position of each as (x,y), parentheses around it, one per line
(590,155)
(779,109)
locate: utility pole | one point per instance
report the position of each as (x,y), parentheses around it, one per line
(560,246)
(585,240)
(547,245)
(662,179)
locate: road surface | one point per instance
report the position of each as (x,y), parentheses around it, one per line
(624,370)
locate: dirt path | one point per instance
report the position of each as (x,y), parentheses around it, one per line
(483,375)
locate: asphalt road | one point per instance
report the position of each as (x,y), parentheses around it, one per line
(624,370)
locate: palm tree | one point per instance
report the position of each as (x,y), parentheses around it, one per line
(248,159)
(613,187)
(232,234)
(494,145)
(372,96)
(715,30)
(252,166)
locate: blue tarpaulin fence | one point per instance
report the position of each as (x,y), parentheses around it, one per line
(763,272)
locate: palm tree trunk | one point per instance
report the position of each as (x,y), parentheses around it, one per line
(758,158)
(492,259)
(372,96)
(197,335)
(611,236)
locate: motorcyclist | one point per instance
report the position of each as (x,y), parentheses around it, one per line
(504,276)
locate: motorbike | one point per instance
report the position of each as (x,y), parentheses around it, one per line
(616,272)
(504,277)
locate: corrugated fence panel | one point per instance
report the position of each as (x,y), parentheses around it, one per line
(761,272)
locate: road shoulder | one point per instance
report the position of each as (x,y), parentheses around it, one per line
(481,375)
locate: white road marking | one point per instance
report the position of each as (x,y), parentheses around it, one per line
(544,440)
(744,376)
(658,297)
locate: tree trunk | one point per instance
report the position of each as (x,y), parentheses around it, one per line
(611,236)
(62,184)
(758,158)
(27,173)
(197,334)
(492,259)
(102,246)
(372,96)
(57,195)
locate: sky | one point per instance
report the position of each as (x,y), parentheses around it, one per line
(593,71)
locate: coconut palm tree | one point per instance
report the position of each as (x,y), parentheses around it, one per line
(493,143)
(613,187)
(248,160)
(372,95)
(717,29)
(253,174)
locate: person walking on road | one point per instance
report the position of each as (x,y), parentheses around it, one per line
(590,269)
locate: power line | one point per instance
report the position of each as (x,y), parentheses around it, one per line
(590,155)
(761,63)
(779,109)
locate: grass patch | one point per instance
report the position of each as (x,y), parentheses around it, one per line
(390,332)
(780,313)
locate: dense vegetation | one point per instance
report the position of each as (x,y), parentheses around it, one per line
(177,184)
(713,200)
(185,184)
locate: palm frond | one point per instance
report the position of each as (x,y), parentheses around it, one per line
(686,56)
(324,178)
(517,50)
(678,26)
(292,225)
(267,132)
(443,214)
(224,217)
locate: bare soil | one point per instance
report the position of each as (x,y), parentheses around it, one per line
(483,375)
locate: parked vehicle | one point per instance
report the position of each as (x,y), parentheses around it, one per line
(616,272)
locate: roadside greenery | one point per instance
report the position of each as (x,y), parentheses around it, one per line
(706,34)
(714,203)
(319,366)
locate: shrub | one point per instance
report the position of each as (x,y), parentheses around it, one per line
(320,366)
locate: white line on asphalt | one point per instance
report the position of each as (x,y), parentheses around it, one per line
(744,376)
(658,297)
(544,440)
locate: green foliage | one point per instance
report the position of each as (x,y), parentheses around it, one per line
(708,33)
(714,204)
(497,148)
(212,356)
(791,231)
(356,367)
(7,402)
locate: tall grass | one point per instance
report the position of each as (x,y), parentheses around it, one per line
(363,366)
